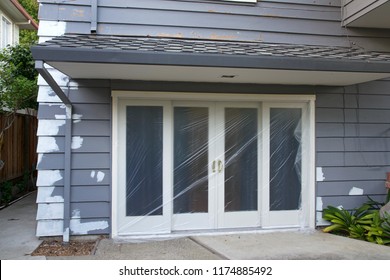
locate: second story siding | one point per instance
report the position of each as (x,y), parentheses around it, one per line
(287,21)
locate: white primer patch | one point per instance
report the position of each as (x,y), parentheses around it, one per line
(46,94)
(45,195)
(340,207)
(83,228)
(77,142)
(51,28)
(40,157)
(77,118)
(50,211)
(49,227)
(99,176)
(49,127)
(66,235)
(320,175)
(47,145)
(48,177)
(356,191)
(319,204)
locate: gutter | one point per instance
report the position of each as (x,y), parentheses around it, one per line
(29,18)
(39,65)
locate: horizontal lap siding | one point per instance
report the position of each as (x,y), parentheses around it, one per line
(351,123)
(353,143)
(299,22)
(90,163)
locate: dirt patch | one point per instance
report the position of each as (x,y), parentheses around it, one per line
(73,248)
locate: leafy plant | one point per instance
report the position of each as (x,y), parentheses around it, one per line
(341,219)
(374,231)
(6,191)
(364,223)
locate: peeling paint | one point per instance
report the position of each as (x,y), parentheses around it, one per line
(47,145)
(77,142)
(83,228)
(177,35)
(48,177)
(78,13)
(214,36)
(49,127)
(320,175)
(320,204)
(356,191)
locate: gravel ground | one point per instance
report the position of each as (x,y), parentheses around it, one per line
(73,248)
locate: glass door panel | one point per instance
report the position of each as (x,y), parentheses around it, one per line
(142,195)
(238,152)
(285,160)
(283,141)
(192,194)
(191,160)
(144,180)
(240,159)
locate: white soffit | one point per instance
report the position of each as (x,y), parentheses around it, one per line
(212,74)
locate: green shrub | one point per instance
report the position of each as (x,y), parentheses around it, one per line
(363,223)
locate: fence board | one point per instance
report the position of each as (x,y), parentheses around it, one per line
(19,147)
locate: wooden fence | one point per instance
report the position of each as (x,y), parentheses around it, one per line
(19,147)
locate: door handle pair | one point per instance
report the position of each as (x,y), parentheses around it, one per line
(220,166)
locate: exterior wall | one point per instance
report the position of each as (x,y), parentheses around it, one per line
(15,29)
(283,21)
(353,155)
(91,164)
(352,131)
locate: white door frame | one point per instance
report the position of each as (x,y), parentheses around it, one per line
(302,216)
(120,98)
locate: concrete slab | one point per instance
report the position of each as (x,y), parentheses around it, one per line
(295,245)
(18,241)
(174,249)
(17,230)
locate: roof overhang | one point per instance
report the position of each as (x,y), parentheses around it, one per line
(19,15)
(176,63)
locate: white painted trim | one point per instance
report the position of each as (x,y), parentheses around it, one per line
(168,100)
(115,169)
(304,217)
(224,97)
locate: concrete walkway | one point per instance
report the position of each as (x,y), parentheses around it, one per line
(17,230)
(18,241)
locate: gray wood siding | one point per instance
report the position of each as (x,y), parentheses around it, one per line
(90,163)
(352,131)
(353,143)
(302,22)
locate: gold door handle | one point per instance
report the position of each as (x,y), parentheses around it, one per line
(220,166)
(213,166)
